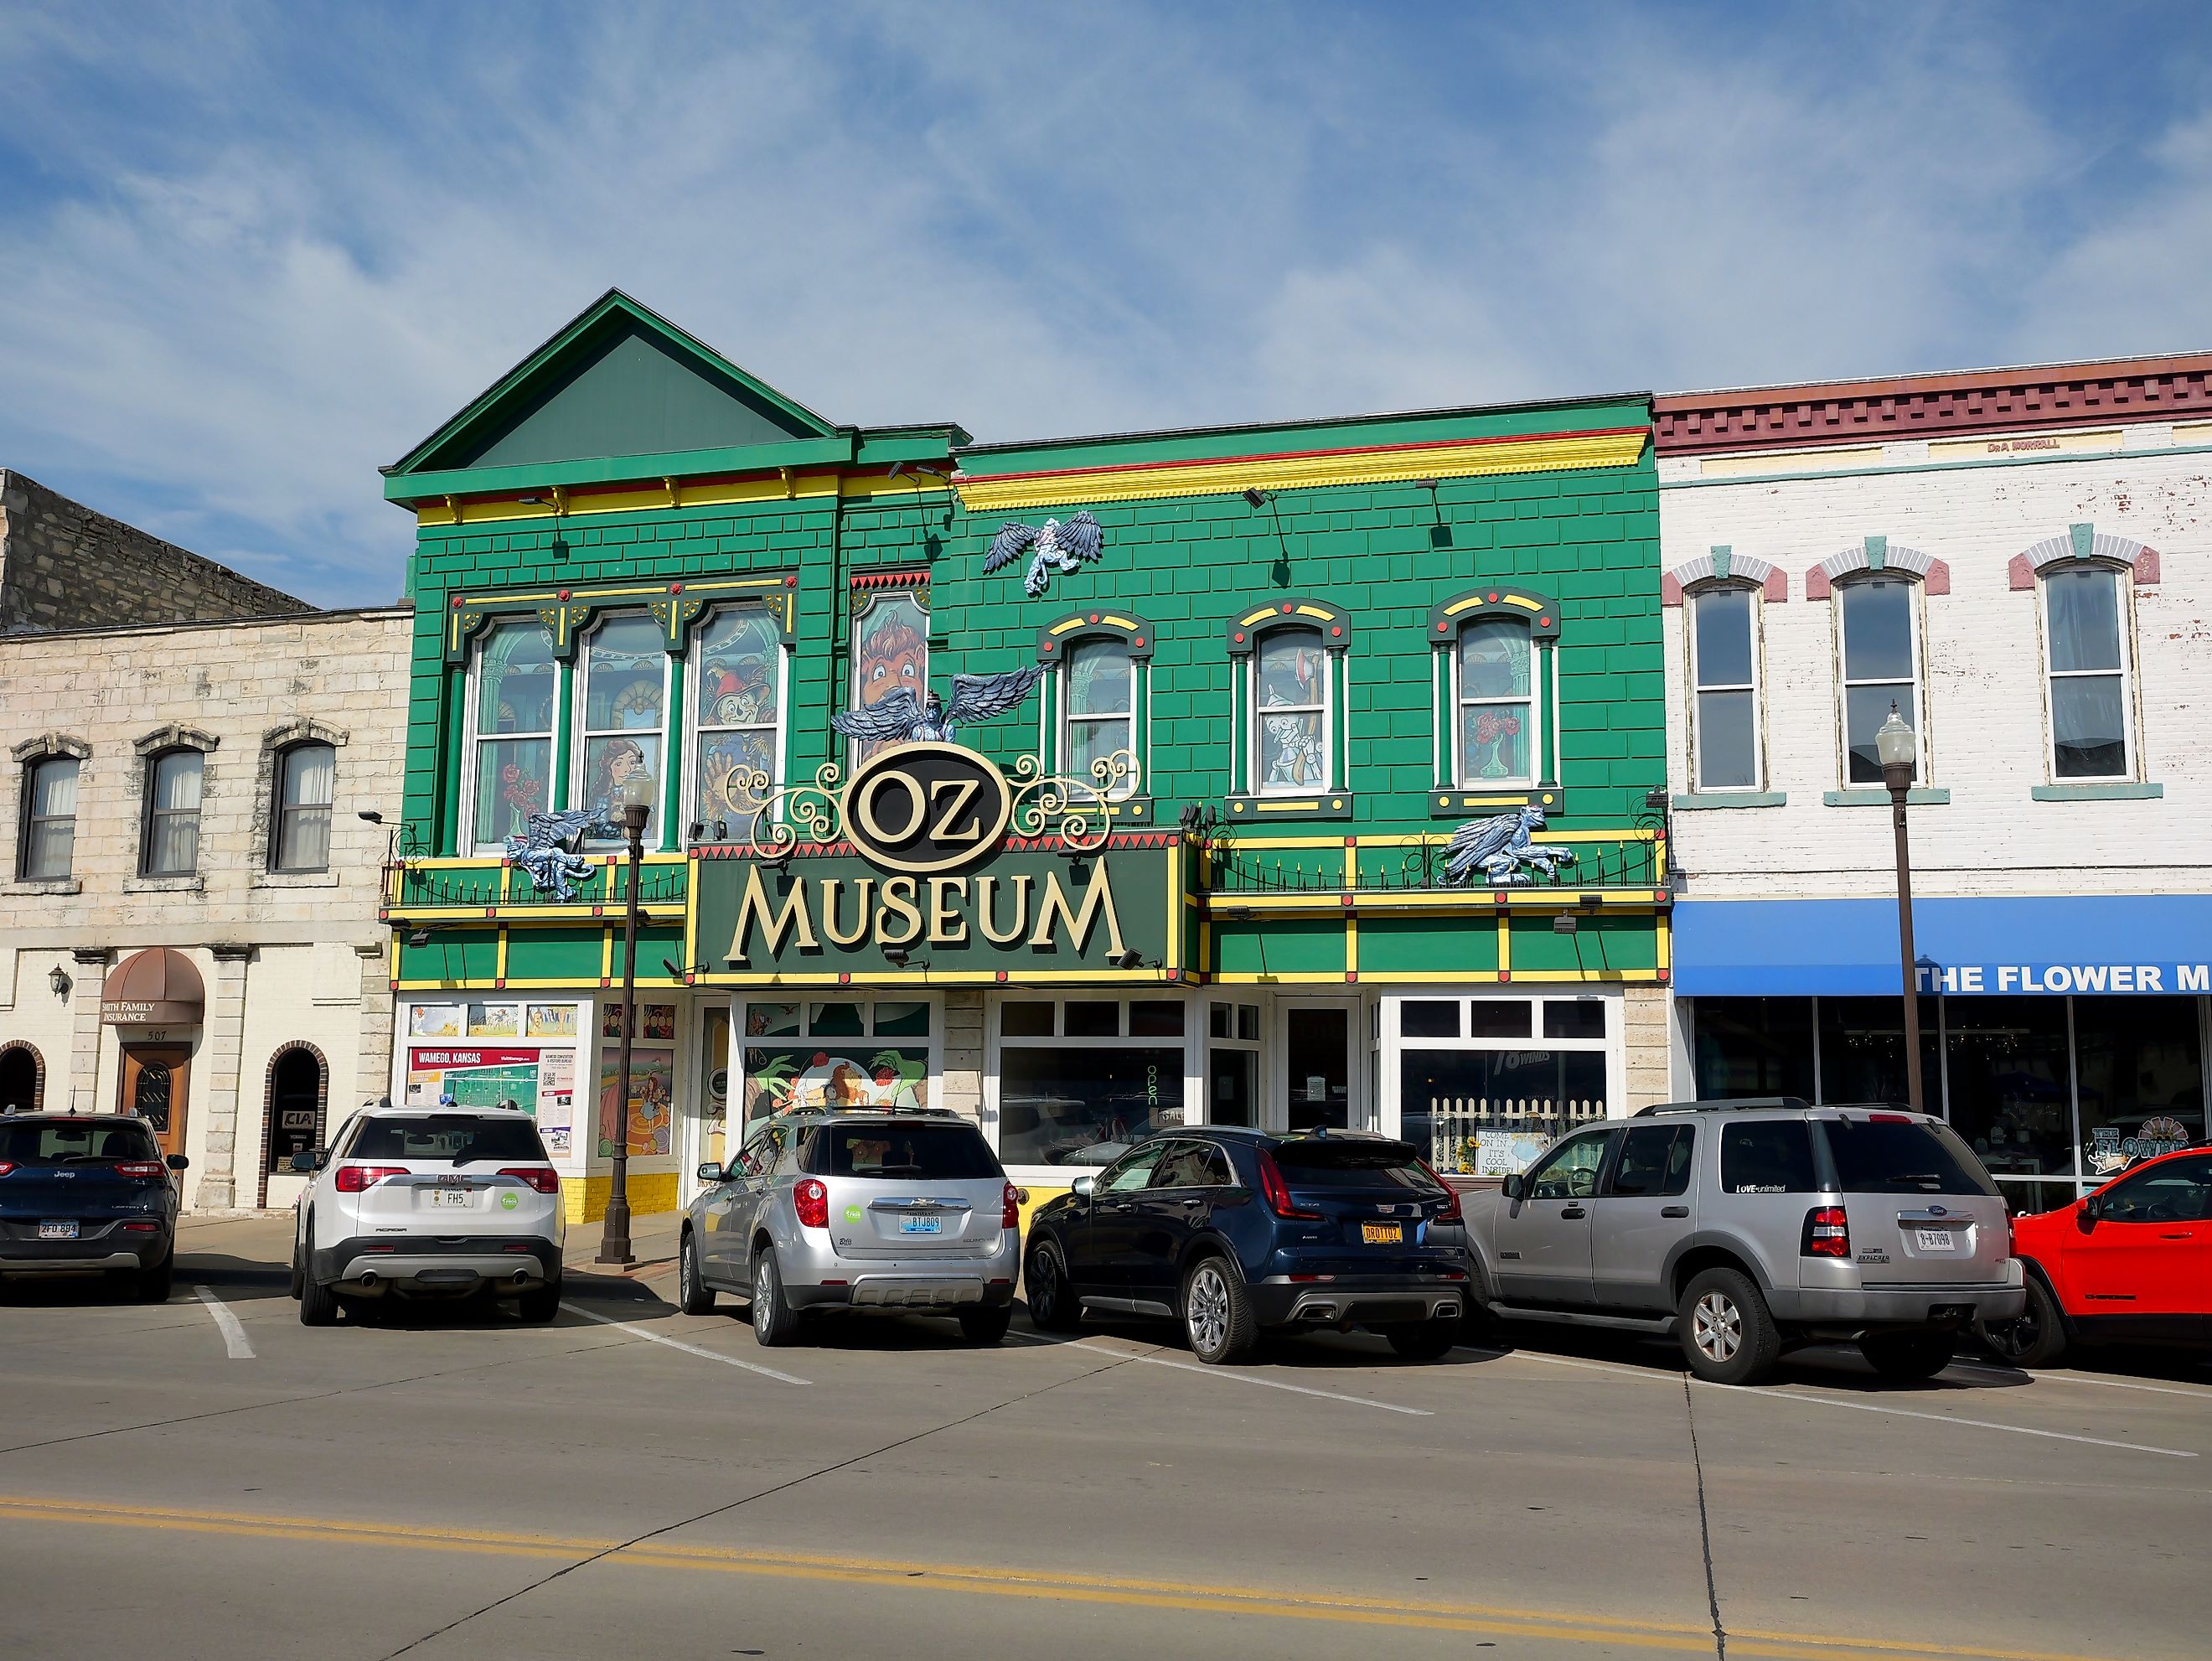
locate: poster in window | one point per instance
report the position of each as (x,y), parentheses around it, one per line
(651,1108)
(495,1020)
(656,1022)
(551,1021)
(472,1076)
(435,1020)
(556,1099)
(783,1080)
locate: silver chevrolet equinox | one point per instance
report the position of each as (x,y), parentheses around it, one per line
(1746,1228)
(847,1208)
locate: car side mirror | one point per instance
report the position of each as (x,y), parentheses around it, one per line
(2091,1207)
(1515,1187)
(310,1160)
(1082,1186)
(710,1173)
(177,1162)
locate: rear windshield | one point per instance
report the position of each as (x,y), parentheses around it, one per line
(1774,1156)
(75,1143)
(946,1152)
(1350,1165)
(460,1137)
(1903,1156)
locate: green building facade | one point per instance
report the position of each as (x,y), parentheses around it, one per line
(1198,866)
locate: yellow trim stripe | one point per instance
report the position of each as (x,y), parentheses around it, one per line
(681,493)
(1556,453)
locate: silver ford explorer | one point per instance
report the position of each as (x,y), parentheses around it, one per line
(854,1209)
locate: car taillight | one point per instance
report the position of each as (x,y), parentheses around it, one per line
(142,1228)
(1010,1208)
(6,1165)
(542,1177)
(1277,1191)
(141,1168)
(811,1199)
(1451,1213)
(1889,1118)
(1827,1232)
(354,1178)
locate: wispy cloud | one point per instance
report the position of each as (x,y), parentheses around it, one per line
(250,251)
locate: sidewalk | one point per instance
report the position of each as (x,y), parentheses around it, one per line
(651,1242)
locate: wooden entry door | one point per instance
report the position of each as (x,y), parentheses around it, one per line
(155,1087)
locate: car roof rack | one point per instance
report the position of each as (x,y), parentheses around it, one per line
(1743,1105)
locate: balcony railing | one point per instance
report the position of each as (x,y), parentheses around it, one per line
(1633,860)
(422,885)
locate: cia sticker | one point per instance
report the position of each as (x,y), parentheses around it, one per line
(852,1213)
(510,1200)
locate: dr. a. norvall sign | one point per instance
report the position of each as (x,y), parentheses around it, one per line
(933,879)
(2066,977)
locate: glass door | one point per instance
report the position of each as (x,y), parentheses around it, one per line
(706,1127)
(1232,1064)
(1313,1051)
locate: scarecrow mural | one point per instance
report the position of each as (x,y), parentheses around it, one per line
(740,685)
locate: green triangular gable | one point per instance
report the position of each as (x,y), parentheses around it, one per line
(619,380)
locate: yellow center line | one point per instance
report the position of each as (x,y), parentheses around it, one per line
(999,1581)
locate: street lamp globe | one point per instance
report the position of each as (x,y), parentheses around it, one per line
(1895,742)
(635,796)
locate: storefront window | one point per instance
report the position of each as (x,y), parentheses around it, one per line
(850,1053)
(2011,1092)
(1077,1080)
(1232,1064)
(1753,1047)
(2142,1079)
(1862,1052)
(1486,1104)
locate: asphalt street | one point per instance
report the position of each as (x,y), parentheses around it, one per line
(209,1478)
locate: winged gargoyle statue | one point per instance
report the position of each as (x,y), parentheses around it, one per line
(1500,847)
(1057,547)
(899,717)
(546,850)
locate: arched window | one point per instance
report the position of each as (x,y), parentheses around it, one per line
(169,845)
(625,672)
(297,1087)
(22,1078)
(1725,752)
(300,814)
(46,841)
(513,711)
(737,722)
(1291,743)
(1097,713)
(1879,658)
(1497,679)
(2088,671)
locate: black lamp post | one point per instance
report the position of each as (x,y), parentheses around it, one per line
(636,798)
(1894,743)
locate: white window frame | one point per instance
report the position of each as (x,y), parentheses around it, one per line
(2124,613)
(1754,616)
(1534,701)
(1613,1046)
(1234,1000)
(1916,593)
(1193,1043)
(1331,667)
(581,731)
(474,739)
(697,729)
(1064,699)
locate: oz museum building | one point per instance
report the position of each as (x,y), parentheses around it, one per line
(1291,774)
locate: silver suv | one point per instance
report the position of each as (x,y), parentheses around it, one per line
(1745,1227)
(847,1209)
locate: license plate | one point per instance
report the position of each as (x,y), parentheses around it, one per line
(1935,1239)
(922,1226)
(58,1230)
(455,1198)
(1382,1233)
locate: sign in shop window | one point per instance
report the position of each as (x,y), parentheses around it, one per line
(648,1121)
(456,1067)
(836,1053)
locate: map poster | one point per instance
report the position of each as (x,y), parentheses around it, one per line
(474,1076)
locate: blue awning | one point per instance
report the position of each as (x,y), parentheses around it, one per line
(2125,944)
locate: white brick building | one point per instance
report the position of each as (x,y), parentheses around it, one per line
(183,802)
(2021,563)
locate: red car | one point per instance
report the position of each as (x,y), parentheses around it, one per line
(2131,1263)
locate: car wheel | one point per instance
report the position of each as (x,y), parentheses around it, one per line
(986,1325)
(318,1304)
(2035,1338)
(693,1295)
(1216,1312)
(1729,1337)
(541,1304)
(1053,1307)
(774,1322)
(1429,1341)
(1908,1356)
(154,1284)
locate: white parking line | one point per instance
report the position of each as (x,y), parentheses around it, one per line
(2077,1378)
(1948,1419)
(1231,1376)
(233,1334)
(689,1349)
(1563,1361)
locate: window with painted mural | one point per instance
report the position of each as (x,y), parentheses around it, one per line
(1099,715)
(1290,736)
(625,675)
(739,705)
(1496,715)
(890,650)
(836,1053)
(513,711)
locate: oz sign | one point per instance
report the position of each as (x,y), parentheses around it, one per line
(926,807)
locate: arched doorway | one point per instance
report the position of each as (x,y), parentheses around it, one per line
(22,1078)
(292,1122)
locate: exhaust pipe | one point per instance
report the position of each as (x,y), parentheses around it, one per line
(1321,1312)
(522,1277)
(367,1279)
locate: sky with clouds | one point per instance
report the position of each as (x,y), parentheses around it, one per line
(248,252)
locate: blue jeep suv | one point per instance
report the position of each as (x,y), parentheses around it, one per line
(1232,1232)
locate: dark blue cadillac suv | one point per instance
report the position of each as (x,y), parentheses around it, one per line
(1232,1231)
(87,1191)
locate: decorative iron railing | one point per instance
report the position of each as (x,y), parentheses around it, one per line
(1258,866)
(409,886)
